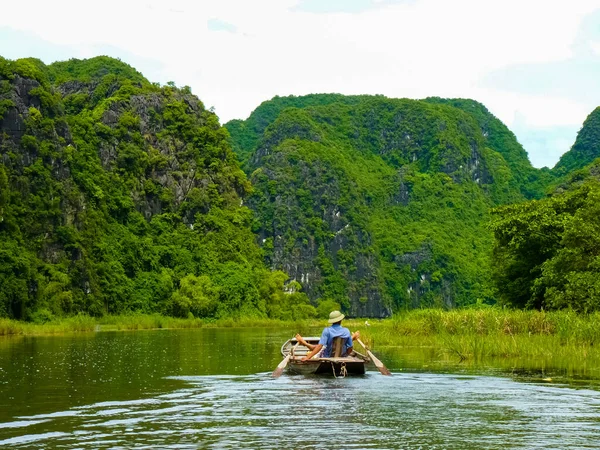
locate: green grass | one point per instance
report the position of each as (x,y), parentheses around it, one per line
(66,325)
(493,332)
(468,334)
(139,322)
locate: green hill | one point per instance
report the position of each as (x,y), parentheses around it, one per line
(118,195)
(530,181)
(585,149)
(380,203)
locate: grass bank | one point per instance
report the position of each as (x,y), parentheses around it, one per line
(493,332)
(465,334)
(67,325)
(83,323)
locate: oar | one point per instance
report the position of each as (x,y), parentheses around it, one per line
(282,365)
(384,370)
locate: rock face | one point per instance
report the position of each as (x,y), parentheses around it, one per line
(375,203)
(179,174)
(17,102)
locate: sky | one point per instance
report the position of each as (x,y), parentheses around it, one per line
(535,64)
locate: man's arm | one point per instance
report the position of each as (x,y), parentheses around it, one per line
(317,348)
(301,340)
(314,349)
(353,336)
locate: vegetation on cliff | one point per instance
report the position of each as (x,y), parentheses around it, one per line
(120,195)
(380,203)
(585,149)
(530,181)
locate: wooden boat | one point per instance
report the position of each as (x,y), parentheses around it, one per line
(353,364)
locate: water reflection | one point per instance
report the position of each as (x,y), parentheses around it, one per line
(44,374)
(551,369)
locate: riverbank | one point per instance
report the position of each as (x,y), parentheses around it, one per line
(478,334)
(83,323)
(465,334)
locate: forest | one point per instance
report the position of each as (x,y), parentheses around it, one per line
(118,195)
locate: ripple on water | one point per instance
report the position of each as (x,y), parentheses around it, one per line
(404,411)
(22,423)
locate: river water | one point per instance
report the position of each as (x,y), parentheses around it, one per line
(212,388)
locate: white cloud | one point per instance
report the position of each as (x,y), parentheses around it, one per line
(409,49)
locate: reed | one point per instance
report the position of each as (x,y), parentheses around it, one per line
(145,322)
(466,334)
(65,325)
(141,322)
(492,332)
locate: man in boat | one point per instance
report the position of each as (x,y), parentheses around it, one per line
(329,333)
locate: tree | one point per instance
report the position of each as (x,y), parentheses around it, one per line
(547,252)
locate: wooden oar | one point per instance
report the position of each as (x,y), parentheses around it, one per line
(384,370)
(283,364)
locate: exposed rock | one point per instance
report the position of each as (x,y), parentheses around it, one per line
(13,125)
(76,87)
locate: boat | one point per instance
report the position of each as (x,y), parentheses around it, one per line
(353,364)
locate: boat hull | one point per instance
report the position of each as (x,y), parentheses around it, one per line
(320,367)
(341,366)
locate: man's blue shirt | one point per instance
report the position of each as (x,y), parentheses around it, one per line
(335,330)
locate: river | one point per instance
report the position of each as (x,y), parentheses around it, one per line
(212,388)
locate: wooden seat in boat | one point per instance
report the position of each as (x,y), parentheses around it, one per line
(337,347)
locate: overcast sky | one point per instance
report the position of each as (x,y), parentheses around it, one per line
(534,63)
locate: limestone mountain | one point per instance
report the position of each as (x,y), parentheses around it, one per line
(530,181)
(380,203)
(119,195)
(585,149)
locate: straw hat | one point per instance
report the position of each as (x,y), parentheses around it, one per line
(335,316)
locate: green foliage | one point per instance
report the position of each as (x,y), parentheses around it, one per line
(546,252)
(6,69)
(34,114)
(384,201)
(5,105)
(325,307)
(4,192)
(521,175)
(93,68)
(17,275)
(123,197)
(285,302)
(196,295)
(246,134)
(29,68)
(585,149)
